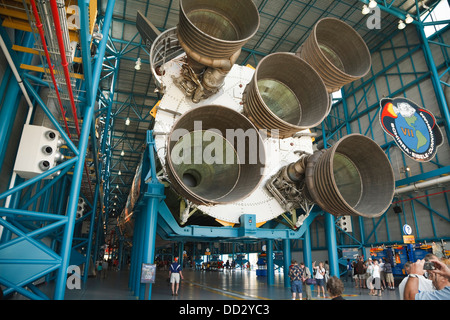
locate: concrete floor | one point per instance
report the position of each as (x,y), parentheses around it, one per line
(202,285)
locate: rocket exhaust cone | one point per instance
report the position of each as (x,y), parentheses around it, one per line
(354,177)
(337,52)
(285,94)
(215,155)
(216,29)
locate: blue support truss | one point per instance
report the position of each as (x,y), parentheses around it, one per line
(153,216)
(39,216)
(363,116)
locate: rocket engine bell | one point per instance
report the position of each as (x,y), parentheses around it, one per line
(233,140)
(337,52)
(212,33)
(286,95)
(354,177)
(213,162)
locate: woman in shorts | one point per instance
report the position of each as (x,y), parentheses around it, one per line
(320,275)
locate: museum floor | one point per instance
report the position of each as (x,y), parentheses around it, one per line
(206,285)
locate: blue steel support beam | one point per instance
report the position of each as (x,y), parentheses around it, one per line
(270,264)
(85,41)
(106,148)
(286,261)
(79,167)
(440,97)
(136,257)
(330,231)
(307,249)
(153,197)
(13,96)
(91,233)
(428,57)
(170,230)
(103,166)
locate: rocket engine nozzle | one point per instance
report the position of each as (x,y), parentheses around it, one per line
(215,155)
(337,52)
(285,94)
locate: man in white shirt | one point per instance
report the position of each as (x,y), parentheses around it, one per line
(424,283)
(440,277)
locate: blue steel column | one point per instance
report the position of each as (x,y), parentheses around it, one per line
(306,244)
(11,102)
(286,261)
(136,257)
(91,233)
(180,252)
(440,97)
(270,267)
(79,166)
(307,249)
(330,230)
(430,61)
(153,196)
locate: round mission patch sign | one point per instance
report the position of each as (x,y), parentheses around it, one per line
(414,129)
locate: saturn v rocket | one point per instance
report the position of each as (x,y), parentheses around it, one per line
(235,140)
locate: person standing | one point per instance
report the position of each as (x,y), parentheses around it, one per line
(382,275)
(99,269)
(349,271)
(388,274)
(105,268)
(440,276)
(306,275)
(424,283)
(296,275)
(369,278)
(377,278)
(320,276)
(360,270)
(175,274)
(335,288)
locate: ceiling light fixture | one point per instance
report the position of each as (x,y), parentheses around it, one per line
(372,4)
(408,19)
(122,153)
(365,10)
(401,25)
(137,66)
(127,122)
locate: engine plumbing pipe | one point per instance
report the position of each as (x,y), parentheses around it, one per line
(422,185)
(49,63)
(64,63)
